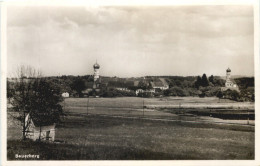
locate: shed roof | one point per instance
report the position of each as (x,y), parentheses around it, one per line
(42,120)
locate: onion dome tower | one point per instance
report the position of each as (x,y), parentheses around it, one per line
(96,67)
(230,83)
(228,76)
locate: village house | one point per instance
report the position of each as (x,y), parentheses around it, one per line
(65,95)
(43,129)
(160,84)
(123,89)
(141,91)
(120,85)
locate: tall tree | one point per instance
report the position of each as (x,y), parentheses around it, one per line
(204,80)
(211,79)
(219,94)
(10,90)
(46,99)
(198,82)
(36,97)
(78,85)
(46,105)
(23,89)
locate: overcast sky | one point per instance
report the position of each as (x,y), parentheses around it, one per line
(132,41)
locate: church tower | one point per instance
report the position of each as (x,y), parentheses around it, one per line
(96,67)
(229,83)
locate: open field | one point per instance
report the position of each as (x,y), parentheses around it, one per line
(171,108)
(167,102)
(119,128)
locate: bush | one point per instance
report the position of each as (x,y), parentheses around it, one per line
(231,94)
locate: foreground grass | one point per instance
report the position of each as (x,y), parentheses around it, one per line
(95,137)
(48,151)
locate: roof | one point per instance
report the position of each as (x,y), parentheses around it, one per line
(136,83)
(164,81)
(117,84)
(228,70)
(157,84)
(42,120)
(96,66)
(129,83)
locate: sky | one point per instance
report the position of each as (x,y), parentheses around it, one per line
(131,41)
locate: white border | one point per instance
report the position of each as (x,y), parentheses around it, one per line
(257,81)
(125,3)
(3,83)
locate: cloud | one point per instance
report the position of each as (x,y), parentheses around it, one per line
(132,41)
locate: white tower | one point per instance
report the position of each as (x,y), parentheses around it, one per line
(96,74)
(229,83)
(96,71)
(228,74)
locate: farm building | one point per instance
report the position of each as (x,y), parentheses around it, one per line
(43,129)
(151,91)
(160,84)
(65,94)
(123,89)
(139,91)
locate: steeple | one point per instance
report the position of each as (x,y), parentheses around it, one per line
(228,70)
(96,65)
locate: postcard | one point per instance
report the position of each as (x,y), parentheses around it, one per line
(133,83)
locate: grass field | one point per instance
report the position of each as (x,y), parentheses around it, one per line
(171,108)
(94,136)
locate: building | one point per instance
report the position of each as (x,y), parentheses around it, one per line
(65,95)
(123,89)
(43,129)
(230,83)
(160,84)
(136,83)
(96,83)
(141,91)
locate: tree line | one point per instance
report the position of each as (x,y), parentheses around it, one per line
(201,86)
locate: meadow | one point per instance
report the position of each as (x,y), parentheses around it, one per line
(127,129)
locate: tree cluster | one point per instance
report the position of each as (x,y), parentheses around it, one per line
(35,96)
(202,81)
(111,92)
